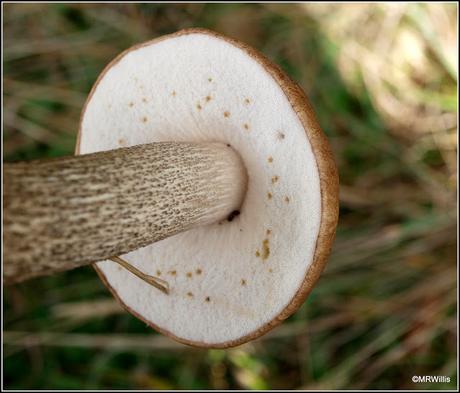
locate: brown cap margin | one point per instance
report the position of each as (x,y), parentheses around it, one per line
(329,184)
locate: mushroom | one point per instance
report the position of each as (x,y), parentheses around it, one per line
(233,280)
(200,170)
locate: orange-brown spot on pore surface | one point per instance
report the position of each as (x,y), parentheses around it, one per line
(198,106)
(270,159)
(265,249)
(246,126)
(198,271)
(144,99)
(158,272)
(144,119)
(226,114)
(209,79)
(275,179)
(172,272)
(247,101)
(269,231)
(122,142)
(257,253)
(281,135)
(286,199)
(189,294)
(270,270)
(243,282)
(131,104)
(189,274)
(173,93)
(269,195)
(208,98)
(207,299)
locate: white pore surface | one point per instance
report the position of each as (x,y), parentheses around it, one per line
(158,93)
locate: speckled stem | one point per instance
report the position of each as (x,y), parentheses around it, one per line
(67,212)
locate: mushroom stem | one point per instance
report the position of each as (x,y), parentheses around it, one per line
(73,211)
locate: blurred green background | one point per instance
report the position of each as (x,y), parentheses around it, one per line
(383,81)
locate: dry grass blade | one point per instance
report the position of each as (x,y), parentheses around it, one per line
(158,283)
(112,342)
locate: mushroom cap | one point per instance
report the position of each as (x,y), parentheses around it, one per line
(232,281)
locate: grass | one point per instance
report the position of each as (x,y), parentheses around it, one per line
(383,81)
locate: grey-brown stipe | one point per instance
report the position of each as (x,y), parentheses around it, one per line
(73,211)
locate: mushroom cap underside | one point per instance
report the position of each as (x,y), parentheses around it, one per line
(230,281)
